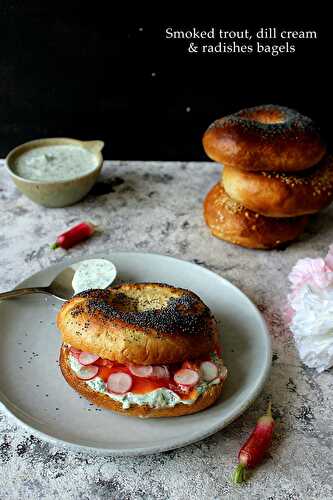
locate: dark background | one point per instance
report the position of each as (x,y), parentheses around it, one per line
(77,71)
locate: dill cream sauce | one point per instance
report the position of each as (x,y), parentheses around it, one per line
(54,163)
(93,273)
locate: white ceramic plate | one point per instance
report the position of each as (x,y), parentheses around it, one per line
(33,390)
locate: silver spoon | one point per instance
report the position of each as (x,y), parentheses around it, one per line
(61,287)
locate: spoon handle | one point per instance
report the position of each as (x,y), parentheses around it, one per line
(24,291)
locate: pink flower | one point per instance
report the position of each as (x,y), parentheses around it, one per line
(315,272)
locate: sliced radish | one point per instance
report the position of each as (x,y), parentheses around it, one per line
(87,372)
(86,358)
(119,382)
(141,370)
(160,372)
(223,372)
(186,377)
(208,371)
(75,352)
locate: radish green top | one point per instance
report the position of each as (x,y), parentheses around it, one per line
(60,162)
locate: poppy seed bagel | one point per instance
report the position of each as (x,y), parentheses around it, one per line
(145,323)
(267,137)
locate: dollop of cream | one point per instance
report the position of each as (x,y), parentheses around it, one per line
(93,273)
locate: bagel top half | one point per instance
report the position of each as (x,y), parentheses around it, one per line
(148,323)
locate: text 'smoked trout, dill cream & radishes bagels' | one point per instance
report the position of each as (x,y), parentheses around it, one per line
(146,350)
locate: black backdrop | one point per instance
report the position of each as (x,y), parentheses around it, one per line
(82,72)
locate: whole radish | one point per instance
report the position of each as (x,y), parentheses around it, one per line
(252,452)
(74,235)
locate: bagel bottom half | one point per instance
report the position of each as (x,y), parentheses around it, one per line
(232,222)
(207,399)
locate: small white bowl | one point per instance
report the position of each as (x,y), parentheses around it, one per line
(56,193)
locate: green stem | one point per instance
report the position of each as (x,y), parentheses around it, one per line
(54,246)
(269,410)
(239,474)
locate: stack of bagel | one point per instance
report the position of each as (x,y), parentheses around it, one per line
(276,172)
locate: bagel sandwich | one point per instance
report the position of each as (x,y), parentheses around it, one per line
(145,350)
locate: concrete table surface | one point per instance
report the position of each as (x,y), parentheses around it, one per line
(157,207)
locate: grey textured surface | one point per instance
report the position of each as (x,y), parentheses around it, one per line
(157,207)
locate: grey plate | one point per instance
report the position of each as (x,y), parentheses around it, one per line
(33,390)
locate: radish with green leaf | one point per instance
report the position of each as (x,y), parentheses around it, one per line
(252,452)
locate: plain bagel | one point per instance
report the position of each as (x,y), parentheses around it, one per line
(266,137)
(277,194)
(232,222)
